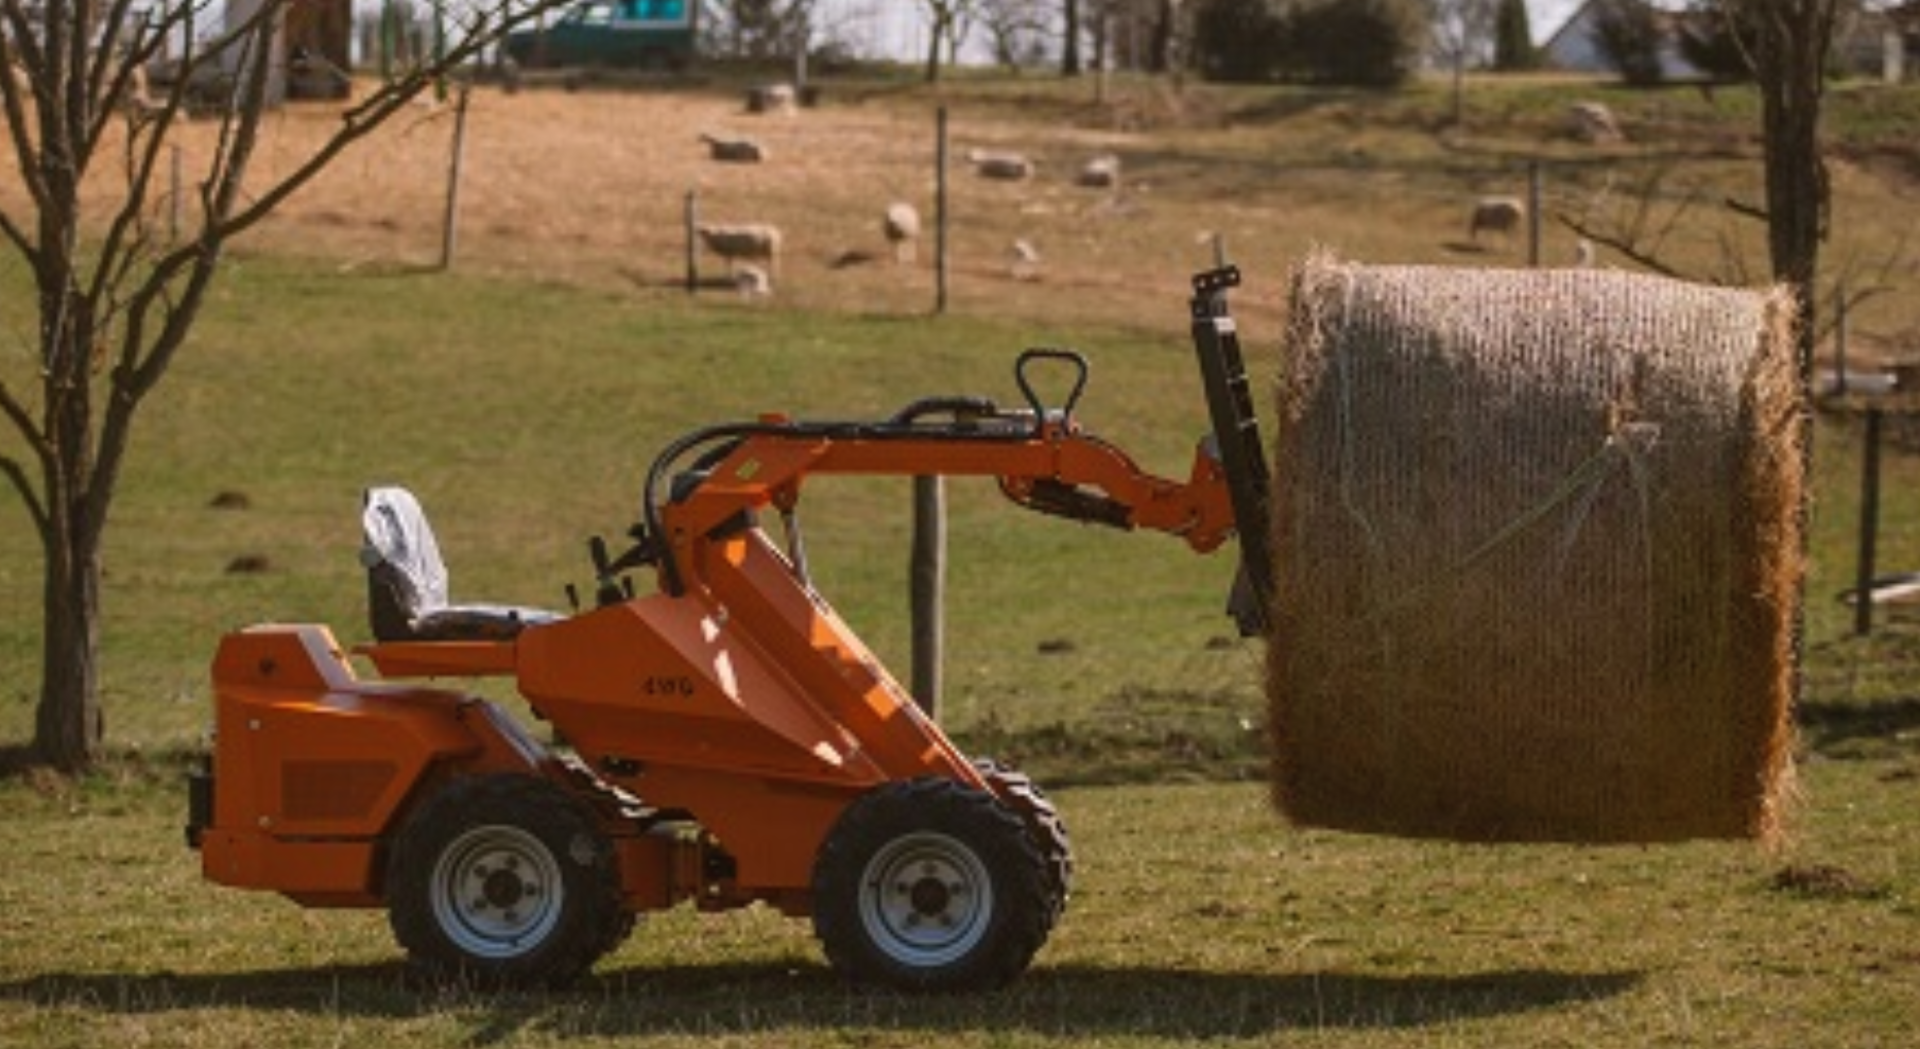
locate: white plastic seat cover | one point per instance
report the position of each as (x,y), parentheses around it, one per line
(398,535)
(401,552)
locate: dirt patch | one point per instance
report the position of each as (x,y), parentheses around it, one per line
(1825,882)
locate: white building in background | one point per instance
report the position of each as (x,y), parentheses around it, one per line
(1575,47)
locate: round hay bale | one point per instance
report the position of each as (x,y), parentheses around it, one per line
(1537,555)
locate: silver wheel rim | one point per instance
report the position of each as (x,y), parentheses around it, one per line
(925,899)
(497,892)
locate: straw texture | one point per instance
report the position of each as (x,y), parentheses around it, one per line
(1537,544)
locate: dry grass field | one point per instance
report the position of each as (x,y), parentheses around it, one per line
(589,187)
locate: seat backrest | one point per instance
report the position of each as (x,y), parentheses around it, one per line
(406,578)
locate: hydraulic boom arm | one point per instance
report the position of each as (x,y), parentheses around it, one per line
(1041,458)
(1039,454)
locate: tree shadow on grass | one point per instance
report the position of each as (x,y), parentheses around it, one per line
(1064,1001)
(1828,726)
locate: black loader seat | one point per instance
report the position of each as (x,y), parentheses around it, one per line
(407,581)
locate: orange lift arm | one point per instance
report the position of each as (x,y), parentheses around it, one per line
(1039,454)
(1042,459)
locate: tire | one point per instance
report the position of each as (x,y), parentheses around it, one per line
(930,885)
(504,882)
(1049,832)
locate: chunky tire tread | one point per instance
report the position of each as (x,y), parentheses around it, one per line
(996,835)
(592,920)
(1049,831)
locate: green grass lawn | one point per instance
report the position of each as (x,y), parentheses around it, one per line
(1198,914)
(525,414)
(1197,918)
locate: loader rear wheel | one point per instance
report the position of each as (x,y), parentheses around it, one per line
(504,881)
(930,885)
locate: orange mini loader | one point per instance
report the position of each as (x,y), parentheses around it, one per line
(727,739)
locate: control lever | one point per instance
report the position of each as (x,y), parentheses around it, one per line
(607,590)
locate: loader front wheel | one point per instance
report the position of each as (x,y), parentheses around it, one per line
(930,885)
(503,881)
(1043,821)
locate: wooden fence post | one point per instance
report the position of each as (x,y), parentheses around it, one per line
(693,241)
(940,270)
(927,581)
(450,227)
(1840,339)
(174,187)
(1869,525)
(1533,213)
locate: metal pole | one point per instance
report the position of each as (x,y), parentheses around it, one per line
(450,229)
(940,269)
(1869,525)
(927,579)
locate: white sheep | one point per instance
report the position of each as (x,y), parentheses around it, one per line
(744,241)
(1023,260)
(734,150)
(752,282)
(1008,166)
(1500,215)
(772,98)
(1102,172)
(902,226)
(1593,122)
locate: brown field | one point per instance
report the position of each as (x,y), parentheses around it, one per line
(589,188)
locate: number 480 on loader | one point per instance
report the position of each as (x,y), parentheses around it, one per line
(728,739)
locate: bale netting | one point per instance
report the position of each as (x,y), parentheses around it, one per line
(1537,555)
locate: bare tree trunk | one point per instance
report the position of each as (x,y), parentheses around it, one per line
(1101,60)
(69,724)
(1070,45)
(1791,69)
(1160,53)
(942,25)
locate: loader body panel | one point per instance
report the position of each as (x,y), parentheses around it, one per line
(312,767)
(747,703)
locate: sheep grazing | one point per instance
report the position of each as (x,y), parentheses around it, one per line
(1011,167)
(772,98)
(1023,261)
(734,150)
(753,282)
(1593,123)
(747,241)
(1500,215)
(1102,172)
(902,227)
(139,100)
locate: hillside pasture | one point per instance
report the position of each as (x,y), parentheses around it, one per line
(589,188)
